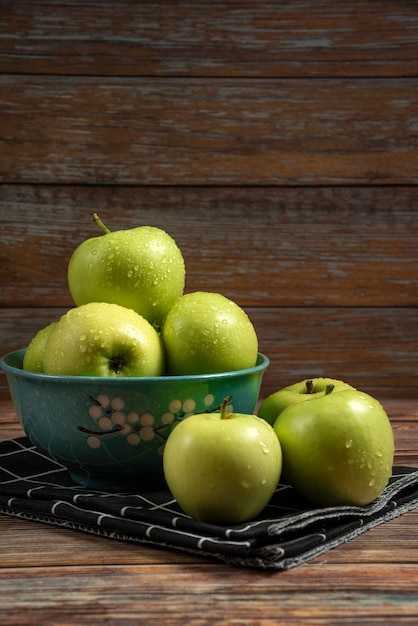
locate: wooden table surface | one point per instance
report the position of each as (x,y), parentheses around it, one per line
(50,575)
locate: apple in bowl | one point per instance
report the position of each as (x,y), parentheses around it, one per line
(103,339)
(140,268)
(206,332)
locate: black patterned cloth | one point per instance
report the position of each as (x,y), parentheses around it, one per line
(288,533)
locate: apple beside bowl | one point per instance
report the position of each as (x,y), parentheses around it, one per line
(110,432)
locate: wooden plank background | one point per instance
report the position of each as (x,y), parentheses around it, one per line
(276,142)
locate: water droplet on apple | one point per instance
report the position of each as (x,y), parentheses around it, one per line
(379,454)
(349,443)
(371,482)
(245,484)
(264,447)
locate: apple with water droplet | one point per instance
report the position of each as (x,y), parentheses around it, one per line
(338,448)
(206,332)
(141,268)
(302,391)
(34,356)
(222,468)
(103,339)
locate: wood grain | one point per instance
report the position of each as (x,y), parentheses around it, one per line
(332,594)
(332,246)
(192,38)
(174,131)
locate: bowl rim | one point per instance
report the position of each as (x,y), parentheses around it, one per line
(262,363)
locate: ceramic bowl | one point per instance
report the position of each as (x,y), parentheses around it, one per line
(110,432)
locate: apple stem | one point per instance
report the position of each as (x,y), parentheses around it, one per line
(224,414)
(328,389)
(98,221)
(309,386)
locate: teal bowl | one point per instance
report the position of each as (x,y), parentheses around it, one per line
(110,432)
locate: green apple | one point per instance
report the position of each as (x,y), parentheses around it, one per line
(33,360)
(222,468)
(103,339)
(141,268)
(205,333)
(307,389)
(337,449)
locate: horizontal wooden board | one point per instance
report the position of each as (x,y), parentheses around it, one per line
(222,38)
(259,246)
(374,349)
(90,594)
(167,131)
